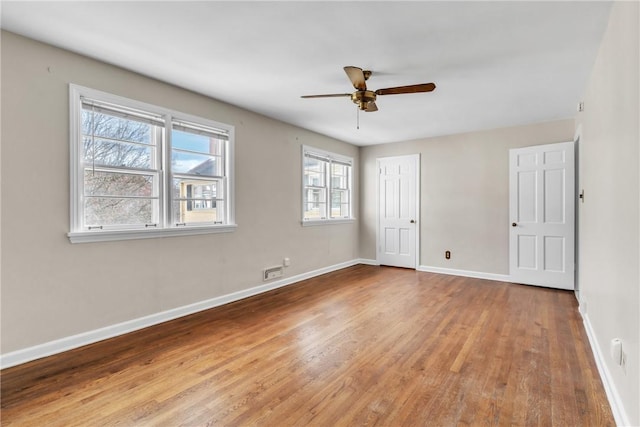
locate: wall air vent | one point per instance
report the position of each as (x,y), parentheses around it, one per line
(272,273)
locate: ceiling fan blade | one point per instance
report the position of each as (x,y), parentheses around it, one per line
(356,75)
(371,107)
(424,87)
(330,95)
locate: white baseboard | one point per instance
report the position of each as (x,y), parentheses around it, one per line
(68,343)
(466,273)
(617,407)
(367,261)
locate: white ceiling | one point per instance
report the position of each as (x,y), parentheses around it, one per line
(495,64)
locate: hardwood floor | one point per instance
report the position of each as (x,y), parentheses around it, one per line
(361,346)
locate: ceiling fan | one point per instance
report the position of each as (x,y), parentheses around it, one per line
(366,99)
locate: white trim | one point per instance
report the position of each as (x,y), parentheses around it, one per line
(108,236)
(578,133)
(79,235)
(418,159)
(329,157)
(75,111)
(617,406)
(576,216)
(378,173)
(68,343)
(367,261)
(328,154)
(230,182)
(466,273)
(312,222)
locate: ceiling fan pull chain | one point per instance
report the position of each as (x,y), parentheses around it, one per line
(357,117)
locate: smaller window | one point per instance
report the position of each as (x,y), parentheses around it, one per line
(326,186)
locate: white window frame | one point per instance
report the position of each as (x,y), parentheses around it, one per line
(79,234)
(330,158)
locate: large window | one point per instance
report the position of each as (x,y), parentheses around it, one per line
(326,186)
(141,171)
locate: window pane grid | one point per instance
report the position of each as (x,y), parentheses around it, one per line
(197,177)
(326,187)
(182,150)
(89,168)
(207,131)
(120,184)
(197,153)
(126,160)
(197,201)
(340,203)
(197,143)
(108,139)
(101,211)
(103,125)
(201,203)
(107,196)
(101,107)
(185,214)
(196,164)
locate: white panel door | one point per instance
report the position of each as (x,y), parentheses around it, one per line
(398,211)
(541,198)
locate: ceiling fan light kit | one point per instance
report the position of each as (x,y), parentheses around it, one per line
(366,99)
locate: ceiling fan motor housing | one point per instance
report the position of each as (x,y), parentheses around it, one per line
(362,98)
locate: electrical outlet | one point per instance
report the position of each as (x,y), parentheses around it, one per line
(447,254)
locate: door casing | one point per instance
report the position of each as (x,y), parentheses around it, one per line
(415,159)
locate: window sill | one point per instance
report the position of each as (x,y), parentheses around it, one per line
(314,222)
(108,236)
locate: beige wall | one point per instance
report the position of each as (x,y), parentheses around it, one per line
(464,204)
(53,289)
(609,278)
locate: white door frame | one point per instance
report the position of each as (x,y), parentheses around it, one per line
(579,198)
(416,159)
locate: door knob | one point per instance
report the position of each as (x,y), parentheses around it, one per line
(514,224)
(413,221)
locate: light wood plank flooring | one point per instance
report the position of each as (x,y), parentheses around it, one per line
(362,346)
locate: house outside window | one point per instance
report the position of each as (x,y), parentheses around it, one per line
(326,187)
(139,171)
